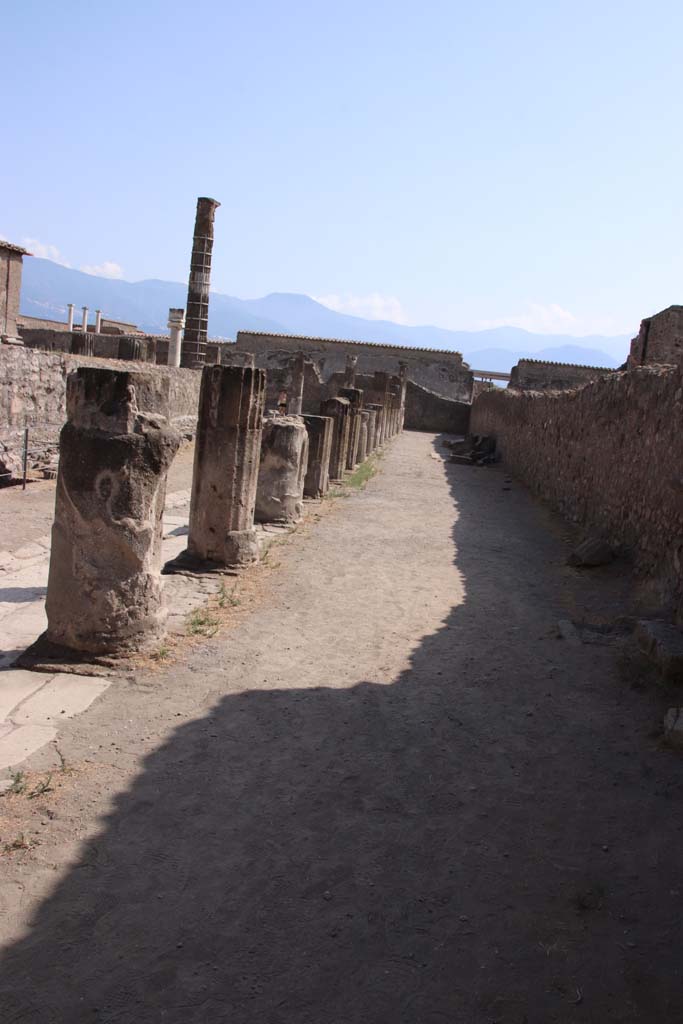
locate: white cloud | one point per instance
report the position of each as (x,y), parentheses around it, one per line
(44,250)
(373,306)
(554,319)
(106,269)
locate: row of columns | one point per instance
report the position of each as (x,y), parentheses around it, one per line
(84,323)
(250,465)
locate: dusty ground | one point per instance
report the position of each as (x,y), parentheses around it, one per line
(389,793)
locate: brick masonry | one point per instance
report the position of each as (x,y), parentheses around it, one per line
(608,456)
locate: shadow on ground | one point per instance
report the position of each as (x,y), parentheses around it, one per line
(491,838)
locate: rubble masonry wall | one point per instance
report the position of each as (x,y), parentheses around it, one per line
(608,456)
(33,393)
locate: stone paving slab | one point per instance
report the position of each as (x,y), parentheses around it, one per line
(33,703)
(23,741)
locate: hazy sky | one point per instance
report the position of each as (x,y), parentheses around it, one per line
(465,164)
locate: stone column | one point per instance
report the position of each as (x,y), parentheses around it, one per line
(295,392)
(320,430)
(197,306)
(104,592)
(339,410)
(392,396)
(226,465)
(98,321)
(403,378)
(85,320)
(284,458)
(372,427)
(350,372)
(355,397)
(70,319)
(363,443)
(176,322)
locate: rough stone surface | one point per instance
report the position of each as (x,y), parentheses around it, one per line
(591,552)
(425,410)
(607,456)
(226,465)
(33,394)
(355,398)
(542,375)
(673,728)
(104,591)
(440,371)
(320,430)
(339,410)
(284,457)
(663,644)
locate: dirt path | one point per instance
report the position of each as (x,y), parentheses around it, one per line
(388,794)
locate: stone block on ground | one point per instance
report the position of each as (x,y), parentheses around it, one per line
(663,645)
(673,727)
(591,553)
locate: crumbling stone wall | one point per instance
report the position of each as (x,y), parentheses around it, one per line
(539,375)
(136,347)
(660,339)
(443,372)
(427,411)
(33,394)
(608,456)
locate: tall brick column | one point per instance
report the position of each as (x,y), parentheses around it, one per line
(104,592)
(226,463)
(197,307)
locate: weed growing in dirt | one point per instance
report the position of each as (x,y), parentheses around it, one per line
(227,600)
(18,783)
(42,787)
(360,476)
(202,623)
(20,843)
(161,655)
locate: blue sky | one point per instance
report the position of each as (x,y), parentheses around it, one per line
(464,164)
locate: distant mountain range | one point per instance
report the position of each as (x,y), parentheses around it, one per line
(48,287)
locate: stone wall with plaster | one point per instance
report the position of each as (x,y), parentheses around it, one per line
(608,456)
(443,372)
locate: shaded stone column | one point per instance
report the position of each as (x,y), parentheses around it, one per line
(104,593)
(226,463)
(355,397)
(295,394)
(197,306)
(403,378)
(282,471)
(339,410)
(350,371)
(320,430)
(372,411)
(363,443)
(394,409)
